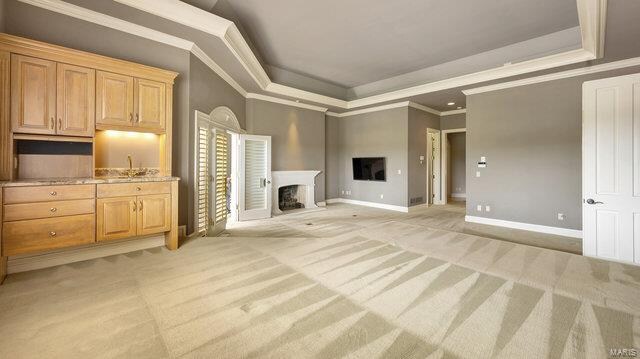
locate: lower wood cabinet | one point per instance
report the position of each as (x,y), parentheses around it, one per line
(45,234)
(124,217)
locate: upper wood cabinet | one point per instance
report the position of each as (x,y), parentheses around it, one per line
(114,99)
(149,97)
(33,95)
(51,98)
(76,100)
(128,103)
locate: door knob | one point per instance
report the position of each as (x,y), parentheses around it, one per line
(591,201)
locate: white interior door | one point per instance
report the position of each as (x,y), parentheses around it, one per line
(255,177)
(611,168)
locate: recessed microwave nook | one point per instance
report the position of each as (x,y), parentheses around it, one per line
(36,159)
(369,169)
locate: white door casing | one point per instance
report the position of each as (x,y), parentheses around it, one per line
(255,177)
(611,168)
(433,167)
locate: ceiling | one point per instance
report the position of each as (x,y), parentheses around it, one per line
(356,42)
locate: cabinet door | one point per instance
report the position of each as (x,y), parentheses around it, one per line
(76,100)
(149,98)
(154,215)
(114,99)
(33,95)
(116,218)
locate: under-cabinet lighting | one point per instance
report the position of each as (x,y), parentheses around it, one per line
(451,103)
(114,133)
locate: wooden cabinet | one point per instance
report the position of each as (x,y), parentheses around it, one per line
(75,100)
(149,99)
(154,214)
(114,99)
(116,218)
(124,217)
(127,103)
(51,98)
(33,95)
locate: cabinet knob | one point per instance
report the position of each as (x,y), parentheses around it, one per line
(138,189)
(59,124)
(53,209)
(141,205)
(53,193)
(52,234)
(137,117)
(130,116)
(52,123)
(135,206)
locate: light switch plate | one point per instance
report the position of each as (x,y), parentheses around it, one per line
(487,208)
(399,172)
(477,173)
(479,208)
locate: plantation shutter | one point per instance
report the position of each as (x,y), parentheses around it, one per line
(204,138)
(222,173)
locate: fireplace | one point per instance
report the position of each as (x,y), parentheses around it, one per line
(291,197)
(293,190)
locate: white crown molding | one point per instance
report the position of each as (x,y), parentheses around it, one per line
(197,52)
(285,102)
(371,109)
(420,107)
(453,112)
(525,226)
(592,15)
(508,70)
(98,18)
(557,76)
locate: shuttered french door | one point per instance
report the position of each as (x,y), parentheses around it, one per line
(212,187)
(255,177)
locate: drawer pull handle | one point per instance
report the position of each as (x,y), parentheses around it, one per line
(52,234)
(138,189)
(53,193)
(53,209)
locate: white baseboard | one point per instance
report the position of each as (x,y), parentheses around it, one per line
(322,204)
(29,262)
(390,207)
(418,207)
(459,195)
(525,226)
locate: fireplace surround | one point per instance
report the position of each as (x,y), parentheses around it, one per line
(305,182)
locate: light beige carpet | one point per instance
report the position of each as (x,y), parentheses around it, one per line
(345,282)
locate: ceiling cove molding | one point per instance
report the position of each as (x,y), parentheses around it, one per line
(544,63)
(197,52)
(285,102)
(592,15)
(557,76)
(98,18)
(453,112)
(185,14)
(410,104)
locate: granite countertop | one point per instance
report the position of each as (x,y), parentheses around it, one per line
(90,180)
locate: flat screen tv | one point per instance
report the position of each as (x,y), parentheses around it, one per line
(369,169)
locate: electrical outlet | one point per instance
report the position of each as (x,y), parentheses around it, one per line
(561,216)
(399,172)
(487,208)
(479,208)
(381,196)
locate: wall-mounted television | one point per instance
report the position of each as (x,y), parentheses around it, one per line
(369,169)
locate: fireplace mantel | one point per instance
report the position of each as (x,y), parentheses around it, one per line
(290,178)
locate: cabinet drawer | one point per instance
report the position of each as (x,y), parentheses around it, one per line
(48,193)
(132,189)
(46,234)
(22,211)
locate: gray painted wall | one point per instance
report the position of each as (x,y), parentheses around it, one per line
(419,121)
(531,136)
(453,121)
(2,15)
(297,137)
(332,157)
(375,134)
(456,175)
